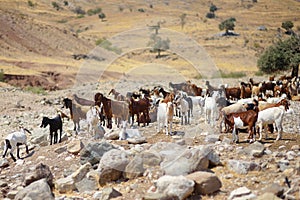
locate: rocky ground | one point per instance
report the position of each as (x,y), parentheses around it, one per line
(254,169)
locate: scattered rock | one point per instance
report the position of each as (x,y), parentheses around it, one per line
(94,151)
(241,193)
(112,165)
(109,193)
(255,149)
(41,172)
(275,189)
(65,185)
(36,191)
(4,163)
(75,146)
(134,168)
(174,187)
(205,183)
(185,162)
(268,195)
(242,167)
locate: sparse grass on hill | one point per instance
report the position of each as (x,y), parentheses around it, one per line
(36,90)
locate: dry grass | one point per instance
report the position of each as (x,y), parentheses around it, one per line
(237,54)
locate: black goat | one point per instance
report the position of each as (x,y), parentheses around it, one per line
(55,124)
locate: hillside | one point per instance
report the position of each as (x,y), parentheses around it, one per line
(37,38)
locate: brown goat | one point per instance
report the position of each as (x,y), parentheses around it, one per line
(139,106)
(248,118)
(233,93)
(101,99)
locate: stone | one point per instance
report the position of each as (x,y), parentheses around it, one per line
(4,163)
(275,189)
(65,185)
(242,167)
(255,149)
(94,151)
(112,165)
(295,148)
(241,193)
(268,195)
(109,193)
(60,150)
(283,164)
(211,155)
(185,162)
(139,140)
(75,146)
(175,186)
(41,171)
(206,183)
(111,136)
(36,191)
(212,138)
(150,159)
(134,168)
(80,173)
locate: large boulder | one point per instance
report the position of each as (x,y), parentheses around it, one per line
(36,191)
(242,167)
(41,172)
(177,187)
(75,146)
(112,165)
(186,162)
(206,182)
(134,168)
(94,151)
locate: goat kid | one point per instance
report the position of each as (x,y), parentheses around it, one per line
(126,133)
(55,124)
(14,140)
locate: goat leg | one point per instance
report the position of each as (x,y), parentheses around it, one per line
(51,135)
(12,156)
(6,146)
(18,150)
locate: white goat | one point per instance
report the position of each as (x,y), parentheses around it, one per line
(126,133)
(92,118)
(211,108)
(15,139)
(276,99)
(165,114)
(270,116)
(184,109)
(198,101)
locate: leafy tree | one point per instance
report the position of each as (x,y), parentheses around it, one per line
(55,5)
(102,16)
(227,25)
(182,20)
(213,8)
(155,27)
(158,44)
(287,25)
(283,55)
(210,15)
(30,4)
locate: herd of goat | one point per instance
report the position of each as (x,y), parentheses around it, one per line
(251,105)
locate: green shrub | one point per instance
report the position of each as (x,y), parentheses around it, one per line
(141,10)
(210,15)
(259,73)
(80,16)
(55,5)
(30,4)
(36,90)
(62,21)
(232,74)
(95,11)
(108,46)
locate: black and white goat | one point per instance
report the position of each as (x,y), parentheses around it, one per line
(14,140)
(55,124)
